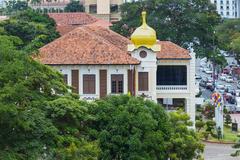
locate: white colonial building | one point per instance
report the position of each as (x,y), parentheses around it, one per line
(228,8)
(97,62)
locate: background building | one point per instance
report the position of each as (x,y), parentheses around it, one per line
(1,3)
(228,8)
(105,9)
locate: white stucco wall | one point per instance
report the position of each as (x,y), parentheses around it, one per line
(94,69)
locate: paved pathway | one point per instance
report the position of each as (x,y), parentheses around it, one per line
(219,152)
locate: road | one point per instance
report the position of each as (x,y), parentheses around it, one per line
(206,94)
(219,152)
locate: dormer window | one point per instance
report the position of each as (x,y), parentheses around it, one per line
(143,54)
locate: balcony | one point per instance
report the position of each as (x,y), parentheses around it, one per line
(172,89)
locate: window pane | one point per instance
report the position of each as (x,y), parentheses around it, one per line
(120,86)
(65,78)
(89,84)
(114,87)
(117,83)
(172,75)
(93,8)
(143,81)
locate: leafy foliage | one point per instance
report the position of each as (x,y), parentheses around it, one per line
(130,128)
(32,28)
(74,6)
(184,143)
(228,34)
(237,145)
(133,128)
(13,6)
(208,111)
(199,125)
(228,119)
(38,117)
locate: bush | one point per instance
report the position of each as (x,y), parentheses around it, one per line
(199,125)
(228,119)
(210,126)
(209,111)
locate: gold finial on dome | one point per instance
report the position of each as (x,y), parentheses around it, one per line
(144,36)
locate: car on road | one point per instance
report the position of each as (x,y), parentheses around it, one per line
(220,88)
(238,104)
(198,76)
(208,71)
(230,89)
(238,84)
(209,79)
(226,71)
(209,86)
(202,83)
(229,79)
(223,77)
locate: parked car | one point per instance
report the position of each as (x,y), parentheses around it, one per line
(210,86)
(198,76)
(238,84)
(208,71)
(226,71)
(220,88)
(238,104)
(209,79)
(223,77)
(202,83)
(229,79)
(230,89)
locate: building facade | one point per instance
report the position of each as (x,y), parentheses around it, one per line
(98,62)
(108,10)
(227,8)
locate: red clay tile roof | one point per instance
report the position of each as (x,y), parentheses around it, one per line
(171,50)
(87,45)
(66,22)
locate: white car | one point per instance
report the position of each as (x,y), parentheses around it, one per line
(229,79)
(223,77)
(209,71)
(220,88)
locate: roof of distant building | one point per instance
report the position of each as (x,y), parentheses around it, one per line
(66,22)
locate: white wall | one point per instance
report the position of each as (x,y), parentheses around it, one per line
(94,69)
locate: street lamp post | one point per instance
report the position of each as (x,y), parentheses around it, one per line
(214,61)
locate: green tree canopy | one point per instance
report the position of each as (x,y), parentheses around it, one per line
(133,128)
(74,6)
(183,22)
(13,6)
(228,35)
(34,29)
(39,119)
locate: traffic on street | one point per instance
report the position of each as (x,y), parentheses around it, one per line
(225,81)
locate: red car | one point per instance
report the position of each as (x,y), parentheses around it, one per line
(226,71)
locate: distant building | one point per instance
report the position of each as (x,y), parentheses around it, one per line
(105,9)
(1,3)
(228,8)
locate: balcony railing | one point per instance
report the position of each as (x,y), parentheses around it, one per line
(172,89)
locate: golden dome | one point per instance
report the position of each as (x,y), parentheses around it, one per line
(144,35)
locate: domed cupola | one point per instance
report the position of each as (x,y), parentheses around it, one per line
(144,36)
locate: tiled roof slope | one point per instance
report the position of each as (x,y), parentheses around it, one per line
(87,45)
(170,50)
(66,22)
